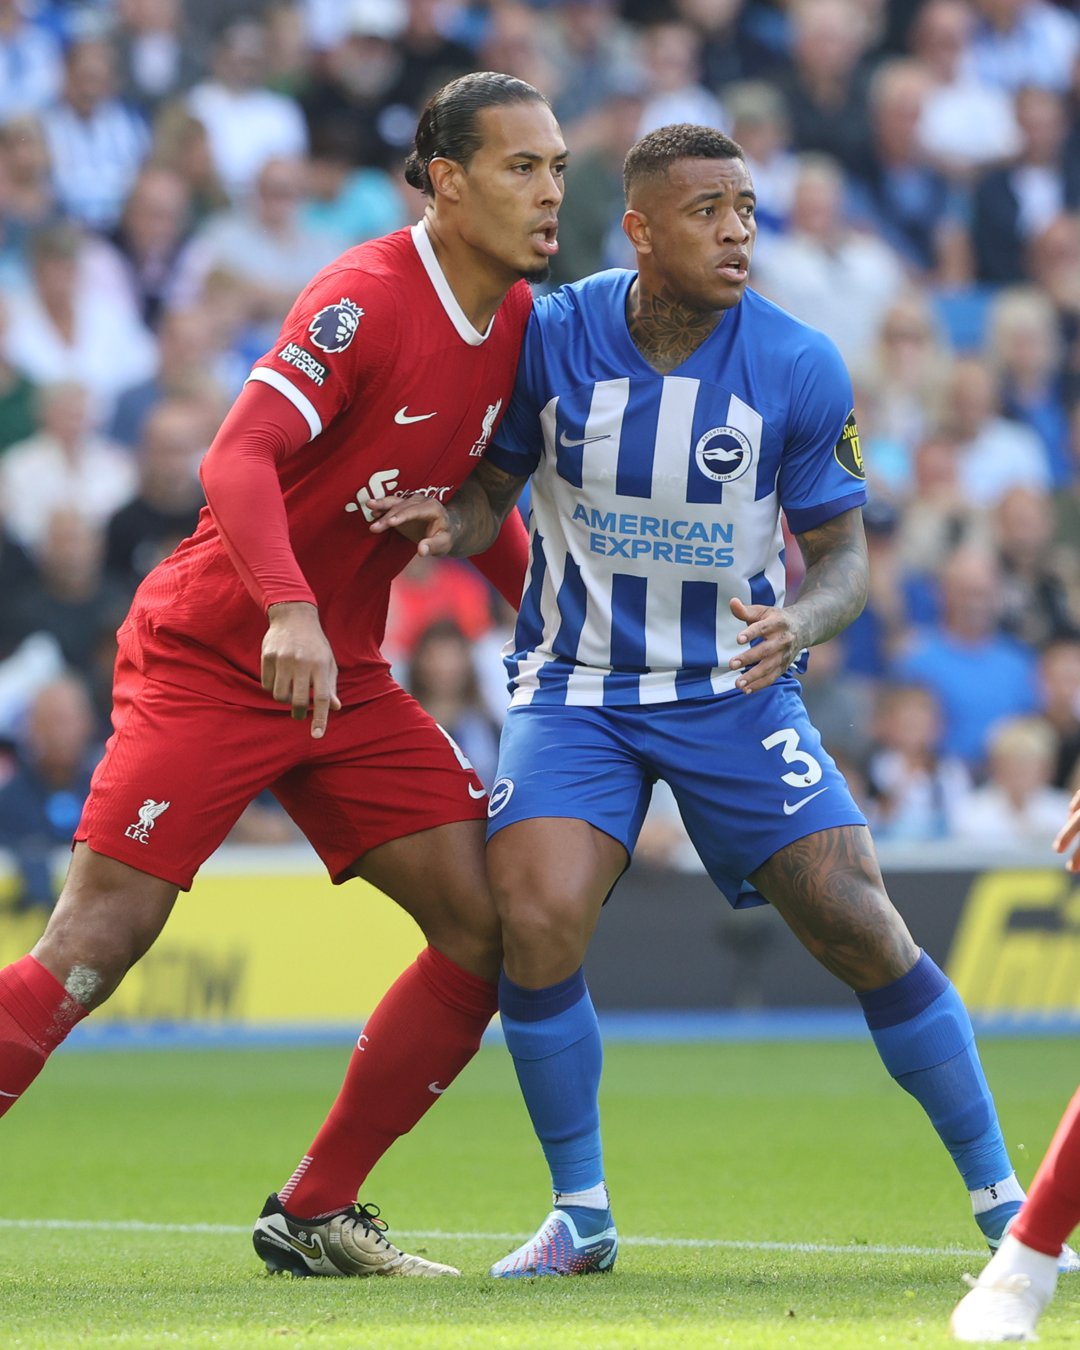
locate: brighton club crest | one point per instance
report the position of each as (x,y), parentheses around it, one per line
(723,454)
(334,327)
(148,814)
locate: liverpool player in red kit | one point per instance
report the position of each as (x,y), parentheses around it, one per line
(389,378)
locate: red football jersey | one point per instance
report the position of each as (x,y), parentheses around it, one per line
(402,396)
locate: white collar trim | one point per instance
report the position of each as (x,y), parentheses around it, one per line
(446,296)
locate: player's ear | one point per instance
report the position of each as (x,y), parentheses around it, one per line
(446,176)
(636,228)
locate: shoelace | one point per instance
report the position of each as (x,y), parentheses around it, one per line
(368,1217)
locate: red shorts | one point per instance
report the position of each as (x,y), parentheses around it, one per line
(180,767)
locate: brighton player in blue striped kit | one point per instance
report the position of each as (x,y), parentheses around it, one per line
(666,417)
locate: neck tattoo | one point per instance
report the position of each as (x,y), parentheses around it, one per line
(665,330)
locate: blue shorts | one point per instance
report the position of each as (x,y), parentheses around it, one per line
(749,773)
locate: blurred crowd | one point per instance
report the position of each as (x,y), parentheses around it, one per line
(172,174)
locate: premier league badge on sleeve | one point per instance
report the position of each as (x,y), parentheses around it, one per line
(334,327)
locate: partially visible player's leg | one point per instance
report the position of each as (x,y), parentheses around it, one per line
(1019,1281)
(550,877)
(174,752)
(426,1027)
(392,800)
(106,918)
(828,888)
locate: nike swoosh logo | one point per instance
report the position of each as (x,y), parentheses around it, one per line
(475,795)
(312,1248)
(13,1095)
(568,444)
(791,807)
(402,418)
(434,1087)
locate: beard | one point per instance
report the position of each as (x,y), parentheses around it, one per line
(535,275)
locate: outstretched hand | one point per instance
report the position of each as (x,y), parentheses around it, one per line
(422,519)
(771,642)
(298,666)
(1069,833)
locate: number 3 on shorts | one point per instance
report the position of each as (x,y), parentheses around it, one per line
(788,738)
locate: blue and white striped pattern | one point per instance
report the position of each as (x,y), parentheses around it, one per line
(656,499)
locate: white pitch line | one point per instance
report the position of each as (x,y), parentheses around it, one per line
(722,1244)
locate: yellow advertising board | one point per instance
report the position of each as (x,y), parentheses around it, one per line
(259,940)
(1017,943)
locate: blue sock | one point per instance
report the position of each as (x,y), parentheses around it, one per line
(924,1037)
(554,1038)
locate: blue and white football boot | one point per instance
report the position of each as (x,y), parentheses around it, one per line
(571,1241)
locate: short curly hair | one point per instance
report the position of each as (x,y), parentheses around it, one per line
(656,152)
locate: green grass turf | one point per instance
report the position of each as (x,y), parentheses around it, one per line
(753,1144)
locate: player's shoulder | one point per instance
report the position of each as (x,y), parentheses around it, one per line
(590,295)
(381,267)
(784,336)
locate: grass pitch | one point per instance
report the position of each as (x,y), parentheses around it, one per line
(767,1196)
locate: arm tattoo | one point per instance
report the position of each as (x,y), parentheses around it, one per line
(665,331)
(481,505)
(834,589)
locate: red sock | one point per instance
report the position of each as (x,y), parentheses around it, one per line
(1052,1209)
(415,1043)
(35,1015)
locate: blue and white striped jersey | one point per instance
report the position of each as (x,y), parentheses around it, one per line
(657,498)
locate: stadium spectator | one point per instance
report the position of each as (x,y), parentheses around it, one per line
(156,58)
(1013,204)
(165,508)
(264,246)
(148,245)
(227,650)
(70,598)
(759,123)
(1059,703)
(1040,585)
(355,93)
(1025,42)
(590,234)
(898,597)
(31,62)
(915,790)
(96,142)
(511,42)
(903,376)
(187,348)
(965,122)
(901,194)
(731,48)
(432,53)
(444,681)
(671,72)
(839,702)
(1026,350)
(1017,806)
(994,453)
(1015,1287)
(246,123)
(978,674)
(596,54)
(427,590)
(938,517)
(827,86)
(1054,266)
(41,803)
(343,201)
(27,196)
(1067,499)
(67,324)
(65,464)
(181,144)
(822,270)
